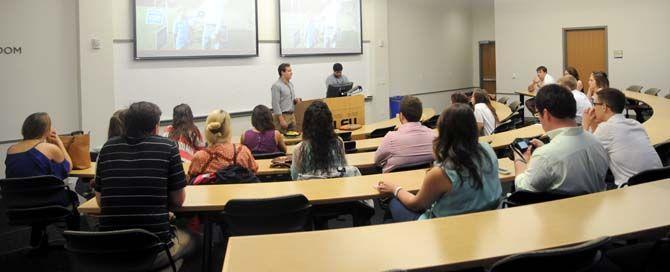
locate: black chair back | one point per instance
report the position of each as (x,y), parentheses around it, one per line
(413,166)
(350,147)
(505,126)
(37,202)
(649,176)
(381,132)
(267,216)
(634,88)
(663,151)
(582,257)
(121,250)
(520,198)
(514,106)
(265,156)
(503,99)
(652,91)
(346,136)
(431,122)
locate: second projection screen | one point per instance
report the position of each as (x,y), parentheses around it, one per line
(320,27)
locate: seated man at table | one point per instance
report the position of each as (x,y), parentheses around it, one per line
(542,79)
(573,163)
(139,177)
(411,143)
(625,140)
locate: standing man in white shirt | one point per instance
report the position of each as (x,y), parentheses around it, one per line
(573,163)
(284,100)
(583,102)
(627,143)
(542,79)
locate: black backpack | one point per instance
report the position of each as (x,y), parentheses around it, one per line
(235,173)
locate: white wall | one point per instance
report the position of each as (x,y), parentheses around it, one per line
(483,29)
(43,77)
(529,34)
(429,45)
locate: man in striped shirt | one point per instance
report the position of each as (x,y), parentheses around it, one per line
(139,177)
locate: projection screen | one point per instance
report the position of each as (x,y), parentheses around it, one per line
(195,28)
(320,27)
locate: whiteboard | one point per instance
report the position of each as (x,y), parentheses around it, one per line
(235,85)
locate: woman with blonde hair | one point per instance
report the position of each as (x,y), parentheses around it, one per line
(220,152)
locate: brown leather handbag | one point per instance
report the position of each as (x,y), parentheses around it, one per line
(78,146)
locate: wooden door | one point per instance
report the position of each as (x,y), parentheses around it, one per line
(487,66)
(586,50)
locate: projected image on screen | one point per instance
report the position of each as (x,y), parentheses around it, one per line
(195,28)
(314,27)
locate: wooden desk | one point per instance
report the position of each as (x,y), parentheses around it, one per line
(459,241)
(360,160)
(365,130)
(214,197)
(655,126)
(497,141)
(90,172)
(503,111)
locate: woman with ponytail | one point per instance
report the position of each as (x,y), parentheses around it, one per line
(220,152)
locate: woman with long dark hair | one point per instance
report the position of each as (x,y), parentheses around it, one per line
(263,138)
(184,132)
(485,113)
(597,81)
(321,155)
(321,152)
(464,178)
(573,72)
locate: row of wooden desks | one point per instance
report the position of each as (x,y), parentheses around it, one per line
(458,242)
(208,199)
(215,197)
(366,159)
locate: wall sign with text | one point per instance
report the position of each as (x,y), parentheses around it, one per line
(10,50)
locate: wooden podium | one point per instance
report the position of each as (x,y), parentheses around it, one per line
(346,110)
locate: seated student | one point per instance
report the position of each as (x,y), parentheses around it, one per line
(263,138)
(41,152)
(625,140)
(485,113)
(597,81)
(572,71)
(336,77)
(463,180)
(139,177)
(116,124)
(184,132)
(220,151)
(321,155)
(542,79)
(321,152)
(459,98)
(574,162)
(411,143)
(583,102)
